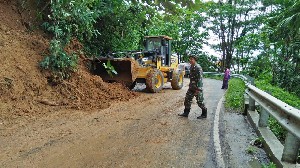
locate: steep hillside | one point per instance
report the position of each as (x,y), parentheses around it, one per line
(24,91)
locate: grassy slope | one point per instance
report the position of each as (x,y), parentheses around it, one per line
(235,94)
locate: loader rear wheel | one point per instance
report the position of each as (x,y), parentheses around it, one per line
(177,80)
(154,81)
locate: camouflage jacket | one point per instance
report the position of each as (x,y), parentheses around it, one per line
(196,76)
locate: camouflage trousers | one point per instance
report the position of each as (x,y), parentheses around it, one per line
(189,98)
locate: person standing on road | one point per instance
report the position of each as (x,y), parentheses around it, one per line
(226,78)
(195,89)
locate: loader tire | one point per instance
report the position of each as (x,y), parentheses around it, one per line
(154,81)
(177,80)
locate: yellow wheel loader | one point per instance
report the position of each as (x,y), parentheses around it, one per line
(154,66)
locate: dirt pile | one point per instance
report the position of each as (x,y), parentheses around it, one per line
(24,91)
(86,91)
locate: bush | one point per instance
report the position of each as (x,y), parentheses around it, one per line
(235,94)
(281,94)
(59,62)
(68,19)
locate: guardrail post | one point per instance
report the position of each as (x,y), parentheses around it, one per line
(251,101)
(263,117)
(291,148)
(246,104)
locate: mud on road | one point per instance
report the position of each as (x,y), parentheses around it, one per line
(143,132)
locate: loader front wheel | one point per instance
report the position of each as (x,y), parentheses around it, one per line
(177,80)
(154,81)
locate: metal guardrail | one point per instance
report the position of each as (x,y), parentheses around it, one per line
(286,115)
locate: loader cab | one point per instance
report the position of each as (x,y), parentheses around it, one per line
(159,46)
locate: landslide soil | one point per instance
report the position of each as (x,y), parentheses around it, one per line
(25,94)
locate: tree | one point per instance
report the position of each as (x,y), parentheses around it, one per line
(285,37)
(231,21)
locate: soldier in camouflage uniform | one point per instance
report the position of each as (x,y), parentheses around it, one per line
(195,89)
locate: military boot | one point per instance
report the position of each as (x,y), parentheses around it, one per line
(204,114)
(185,113)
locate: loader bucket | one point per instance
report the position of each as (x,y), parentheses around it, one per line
(125,67)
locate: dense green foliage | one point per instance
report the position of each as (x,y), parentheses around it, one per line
(285,37)
(279,93)
(59,61)
(279,41)
(259,36)
(67,20)
(235,94)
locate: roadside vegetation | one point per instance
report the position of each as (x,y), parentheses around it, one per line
(235,94)
(235,100)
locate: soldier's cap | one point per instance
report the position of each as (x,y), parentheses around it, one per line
(193,56)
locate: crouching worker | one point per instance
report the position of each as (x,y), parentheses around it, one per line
(195,89)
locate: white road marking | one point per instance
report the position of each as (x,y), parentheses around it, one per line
(216,136)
